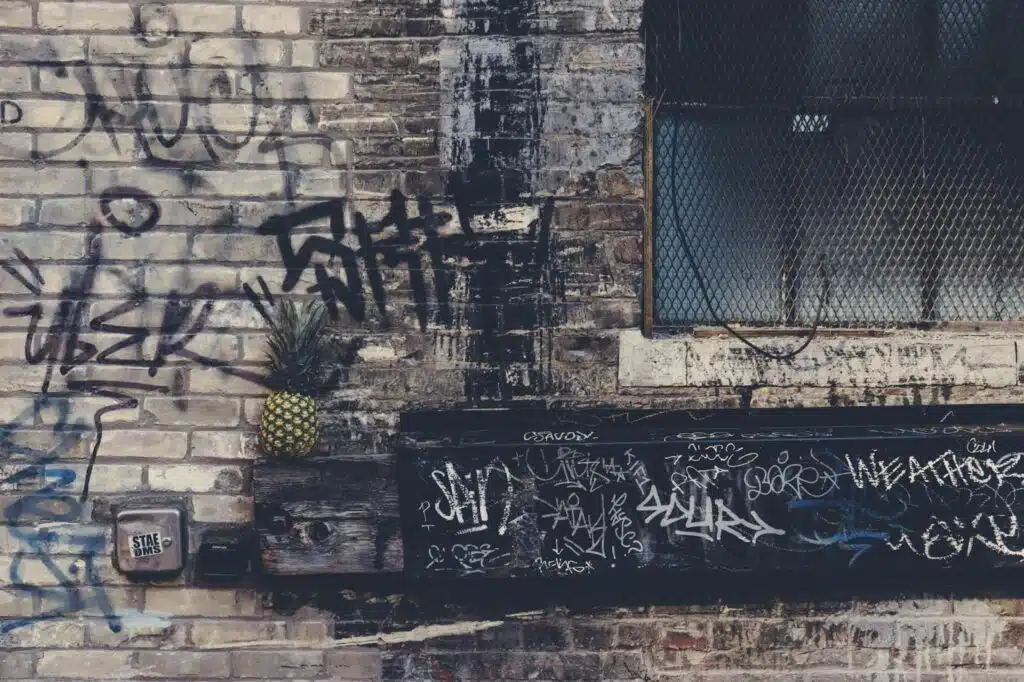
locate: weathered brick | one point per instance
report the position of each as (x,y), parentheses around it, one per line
(193,602)
(279,664)
(28,49)
(47,180)
(16,14)
(128,50)
(146,443)
(305,53)
(14,212)
(242,183)
(218,632)
(211,380)
(193,411)
(64,633)
(541,636)
(182,664)
(245,248)
(106,478)
(238,52)
(221,445)
(161,279)
(15,603)
(201,18)
(280,19)
(222,509)
(354,664)
(152,246)
(86,16)
(137,633)
(97,664)
(200,478)
(16,664)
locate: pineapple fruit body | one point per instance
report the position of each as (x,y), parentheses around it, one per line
(289,425)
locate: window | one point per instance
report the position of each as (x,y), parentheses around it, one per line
(836,162)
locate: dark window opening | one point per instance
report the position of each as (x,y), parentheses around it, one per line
(836,162)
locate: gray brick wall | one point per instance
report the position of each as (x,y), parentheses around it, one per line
(143,144)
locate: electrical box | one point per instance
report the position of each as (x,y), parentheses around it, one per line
(150,541)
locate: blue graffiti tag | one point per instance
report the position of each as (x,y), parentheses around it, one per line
(850,537)
(36,517)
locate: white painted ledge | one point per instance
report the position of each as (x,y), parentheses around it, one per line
(907,358)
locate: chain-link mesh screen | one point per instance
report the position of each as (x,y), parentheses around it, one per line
(837,162)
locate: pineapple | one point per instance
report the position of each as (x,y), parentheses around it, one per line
(297,348)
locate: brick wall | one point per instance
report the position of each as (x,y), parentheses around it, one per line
(143,147)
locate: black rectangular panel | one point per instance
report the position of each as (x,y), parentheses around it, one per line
(844,491)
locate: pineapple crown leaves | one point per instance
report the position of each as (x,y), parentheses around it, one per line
(298,348)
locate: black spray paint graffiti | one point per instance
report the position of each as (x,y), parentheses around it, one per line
(10,112)
(509,285)
(60,344)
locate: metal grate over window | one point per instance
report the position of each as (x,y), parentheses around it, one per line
(836,162)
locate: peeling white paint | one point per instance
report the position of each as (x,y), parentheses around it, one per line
(906,358)
(418,634)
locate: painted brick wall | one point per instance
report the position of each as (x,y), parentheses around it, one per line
(144,146)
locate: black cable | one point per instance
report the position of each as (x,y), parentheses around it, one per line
(702,285)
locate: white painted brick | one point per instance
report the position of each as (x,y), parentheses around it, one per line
(112,81)
(15,79)
(213,380)
(210,633)
(15,14)
(222,509)
(204,18)
(235,315)
(86,16)
(241,183)
(95,146)
(305,53)
(183,664)
(106,478)
(314,85)
(244,248)
(277,19)
(205,411)
(14,212)
(161,279)
(219,445)
(38,245)
(64,633)
(58,114)
(43,181)
(193,602)
(150,246)
(196,478)
(16,147)
(14,603)
(139,631)
(105,664)
(237,52)
(120,50)
(145,443)
(156,184)
(28,49)
(83,409)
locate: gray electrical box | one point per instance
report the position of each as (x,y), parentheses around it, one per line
(150,541)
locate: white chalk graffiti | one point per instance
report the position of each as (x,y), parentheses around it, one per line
(946,539)
(798,480)
(465,497)
(557,436)
(948,469)
(707,520)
